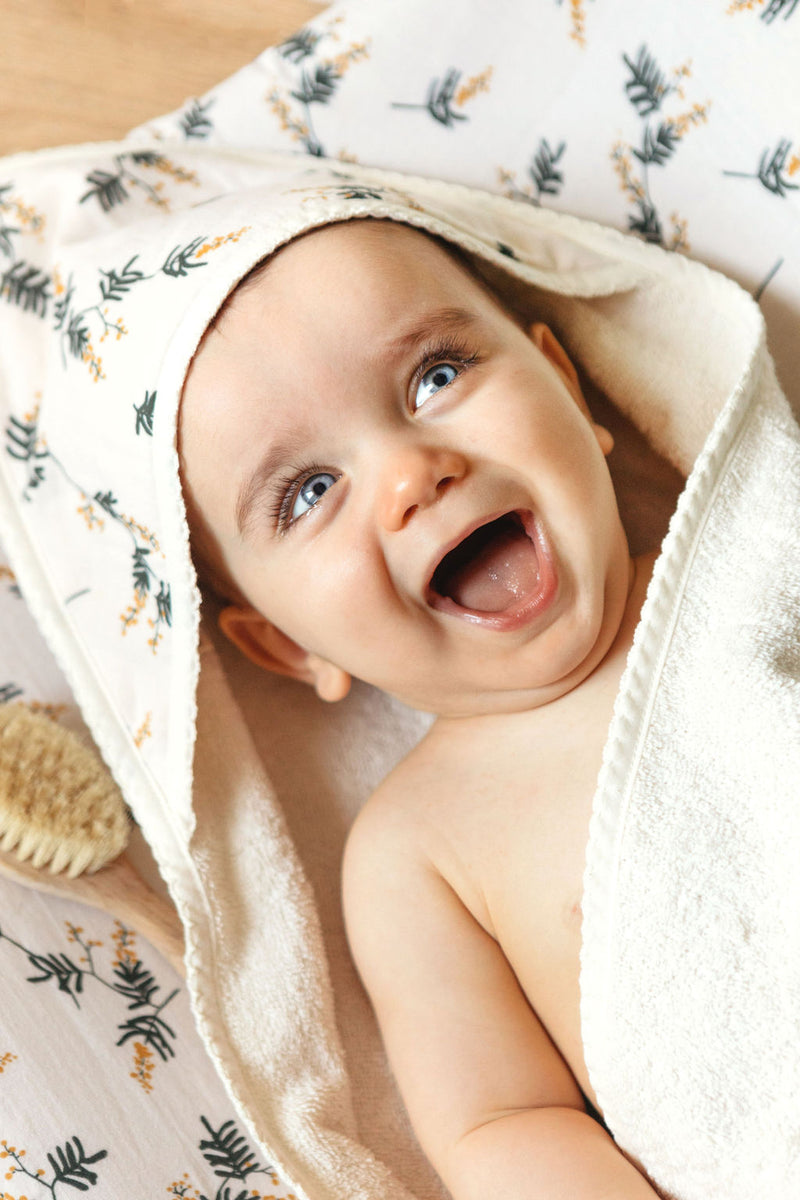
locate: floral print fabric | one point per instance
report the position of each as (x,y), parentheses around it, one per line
(679,123)
(681,126)
(105,1087)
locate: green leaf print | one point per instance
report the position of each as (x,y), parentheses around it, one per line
(647,86)
(228,1152)
(658,147)
(68,976)
(107,188)
(647,89)
(543,171)
(195,122)
(145,414)
(72,1167)
(26,286)
(301,45)
(178,261)
(319,80)
(317,88)
(774,173)
(439,101)
(117,283)
(776,8)
(69,1163)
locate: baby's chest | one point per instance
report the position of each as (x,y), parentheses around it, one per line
(521,851)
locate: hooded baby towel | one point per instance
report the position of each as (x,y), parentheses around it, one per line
(690,971)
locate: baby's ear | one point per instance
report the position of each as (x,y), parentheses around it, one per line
(543,337)
(269,648)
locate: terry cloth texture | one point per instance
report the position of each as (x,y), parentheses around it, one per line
(690,967)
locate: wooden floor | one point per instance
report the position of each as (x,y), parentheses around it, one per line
(87,70)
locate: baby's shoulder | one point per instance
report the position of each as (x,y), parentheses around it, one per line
(406,836)
(393,821)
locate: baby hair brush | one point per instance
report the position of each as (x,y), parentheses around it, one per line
(60,808)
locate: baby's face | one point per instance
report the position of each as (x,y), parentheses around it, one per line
(401,479)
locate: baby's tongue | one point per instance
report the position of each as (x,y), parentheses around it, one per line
(493,568)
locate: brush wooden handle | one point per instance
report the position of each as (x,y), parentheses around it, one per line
(117,889)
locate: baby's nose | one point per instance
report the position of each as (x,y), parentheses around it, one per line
(415,478)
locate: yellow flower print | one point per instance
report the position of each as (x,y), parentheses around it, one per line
(697,115)
(221,239)
(682,71)
(474,85)
(74,935)
(6,1060)
(341,63)
(22,219)
(143,1064)
(143,732)
(183,1187)
(679,240)
(130,616)
(124,940)
(89,514)
(768,13)
(577,12)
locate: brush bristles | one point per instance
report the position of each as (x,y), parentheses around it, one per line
(59,806)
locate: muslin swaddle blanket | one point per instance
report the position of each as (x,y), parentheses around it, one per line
(690,971)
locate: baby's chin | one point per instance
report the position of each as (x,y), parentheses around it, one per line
(466,701)
(532,677)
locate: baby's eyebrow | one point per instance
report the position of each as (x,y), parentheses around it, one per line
(439,321)
(254,486)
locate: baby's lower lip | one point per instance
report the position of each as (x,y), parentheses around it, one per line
(522,610)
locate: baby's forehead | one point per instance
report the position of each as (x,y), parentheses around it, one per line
(384,245)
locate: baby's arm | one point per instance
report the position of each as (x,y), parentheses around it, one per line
(491,1100)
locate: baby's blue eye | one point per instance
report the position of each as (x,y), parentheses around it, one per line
(434,379)
(310,491)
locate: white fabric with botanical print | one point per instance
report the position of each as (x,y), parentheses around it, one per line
(681,125)
(104,1084)
(679,122)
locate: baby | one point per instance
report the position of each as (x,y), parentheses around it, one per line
(390,477)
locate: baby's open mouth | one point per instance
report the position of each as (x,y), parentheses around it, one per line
(495,569)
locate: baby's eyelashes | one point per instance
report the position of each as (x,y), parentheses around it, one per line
(298,493)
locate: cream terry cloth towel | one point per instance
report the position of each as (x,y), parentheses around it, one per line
(692,896)
(102,313)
